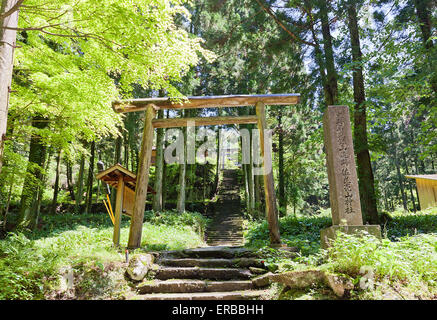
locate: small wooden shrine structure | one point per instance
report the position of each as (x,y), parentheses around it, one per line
(124,181)
(427,189)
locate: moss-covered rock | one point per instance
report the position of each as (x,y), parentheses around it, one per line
(139,266)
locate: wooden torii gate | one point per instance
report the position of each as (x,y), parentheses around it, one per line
(151,105)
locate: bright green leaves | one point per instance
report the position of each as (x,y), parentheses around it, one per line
(78,56)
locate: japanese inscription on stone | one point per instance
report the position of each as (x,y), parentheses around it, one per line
(343,154)
(342,175)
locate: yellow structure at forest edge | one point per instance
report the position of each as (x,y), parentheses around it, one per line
(427,189)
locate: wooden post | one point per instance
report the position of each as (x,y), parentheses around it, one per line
(269,188)
(118,211)
(136,225)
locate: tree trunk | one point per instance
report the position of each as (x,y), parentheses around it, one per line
(34,176)
(40,192)
(246,184)
(56,186)
(79,185)
(401,184)
(364,167)
(331,73)
(398,171)
(281,174)
(89,191)
(70,186)
(164,173)
(98,181)
(423,14)
(182,175)
(250,176)
(7,44)
(257,185)
(126,148)
(204,167)
(164,185)
(216,179)
(5,216)
(409,186)
(159,166)
(117,160)
(385,200)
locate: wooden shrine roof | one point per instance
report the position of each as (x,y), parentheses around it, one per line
(423,176)
(112,174)
(240,100)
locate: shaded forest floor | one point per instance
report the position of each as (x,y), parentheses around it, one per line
(402,266)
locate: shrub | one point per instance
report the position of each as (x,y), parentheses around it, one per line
(30,262)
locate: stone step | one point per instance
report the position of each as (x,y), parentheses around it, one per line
(225,242)
(230,218)
(212,252)
(218,236)
(234,295)
(224,239)
(214,263)
(165,273)
(190,286)
(225,232)
(210,239)
(225,236)
(235,217)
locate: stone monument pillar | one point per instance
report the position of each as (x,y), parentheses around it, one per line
(342,175)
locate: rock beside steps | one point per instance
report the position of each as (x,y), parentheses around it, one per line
(210,273)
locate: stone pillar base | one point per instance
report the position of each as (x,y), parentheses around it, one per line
(329,234)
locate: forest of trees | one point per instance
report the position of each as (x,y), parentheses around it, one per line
(72,58)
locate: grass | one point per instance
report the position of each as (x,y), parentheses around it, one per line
(301,231)
(403,265)
(30,263)
(410,263)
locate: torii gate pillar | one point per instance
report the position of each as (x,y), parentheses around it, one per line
(269,187)
(136,226)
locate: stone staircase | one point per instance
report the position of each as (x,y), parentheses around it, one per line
(226,227)
(209,273)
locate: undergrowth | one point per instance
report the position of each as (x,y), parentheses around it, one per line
(403,264)
(30,262)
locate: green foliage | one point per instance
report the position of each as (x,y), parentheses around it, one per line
(173,218)
(75,58)
(30,263)
(72,65)
(405,259)
(411,259)
(302,232)
(403,224)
